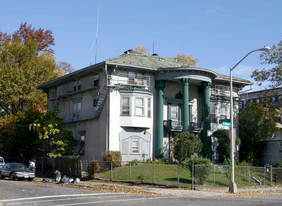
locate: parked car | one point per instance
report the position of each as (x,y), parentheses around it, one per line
(16,171)
(2,162)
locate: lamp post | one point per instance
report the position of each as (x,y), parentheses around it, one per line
(233,185)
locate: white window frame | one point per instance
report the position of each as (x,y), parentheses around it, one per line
(122,110)
(142,107)
(149,107)
(174,109)
(135,149)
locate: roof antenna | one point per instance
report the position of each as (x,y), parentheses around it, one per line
(153,47)
(96,40)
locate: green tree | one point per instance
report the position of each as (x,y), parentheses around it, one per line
(274,74)
(50,130)
(223,147)
(256,122)
(185,145)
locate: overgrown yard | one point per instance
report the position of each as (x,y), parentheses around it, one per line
(161,173)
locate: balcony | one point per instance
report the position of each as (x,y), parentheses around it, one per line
(69,118)
(137,82)
(176,126)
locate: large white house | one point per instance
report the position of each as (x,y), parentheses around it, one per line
(136,103)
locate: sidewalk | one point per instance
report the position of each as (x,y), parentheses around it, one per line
(186,192)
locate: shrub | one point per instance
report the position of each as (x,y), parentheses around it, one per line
(202,168)
(134,162)
(114,157)
(277,164)
(93,168)
(186,144)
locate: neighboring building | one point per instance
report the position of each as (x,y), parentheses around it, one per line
(136,103)
(272,151)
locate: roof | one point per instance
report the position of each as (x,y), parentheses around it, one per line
(235,79)
(133,60)
(145,61)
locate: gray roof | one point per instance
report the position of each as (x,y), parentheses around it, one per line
(144,61)
(134,60)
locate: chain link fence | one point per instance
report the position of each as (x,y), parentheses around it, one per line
(152,172)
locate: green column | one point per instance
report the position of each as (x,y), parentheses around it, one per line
(185,104)
(160,85)
(206,120)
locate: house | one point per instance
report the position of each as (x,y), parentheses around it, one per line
(136,103)
(273,145)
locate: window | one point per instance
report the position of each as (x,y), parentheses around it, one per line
(77,85)
(125,106)
(149,110)
(273,99)
(174,112)
(257,100)
(96,80)
(131,75)
(139,106)
(224,108)
(76,110)
(135,146)
(251,101)
(74,86)
(213,112)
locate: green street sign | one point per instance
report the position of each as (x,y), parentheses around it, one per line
(227,124)
(224,120)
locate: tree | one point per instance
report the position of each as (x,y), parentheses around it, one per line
(44,38)
(185,145)
(141,49)
(25,63)
(274,74)
(223,148)
(256,123)
(22,69)
(185,60)
(65,67)
(50,130)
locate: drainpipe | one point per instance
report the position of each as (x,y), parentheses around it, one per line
(108,111)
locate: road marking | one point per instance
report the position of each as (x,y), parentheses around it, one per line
(123,200)
(52,196)
(62,199)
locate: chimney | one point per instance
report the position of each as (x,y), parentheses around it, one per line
(155,54)
(128,51)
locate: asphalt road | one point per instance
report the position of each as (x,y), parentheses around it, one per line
(34,193)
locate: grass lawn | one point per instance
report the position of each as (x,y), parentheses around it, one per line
(167,174)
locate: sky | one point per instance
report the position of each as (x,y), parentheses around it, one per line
(217,32)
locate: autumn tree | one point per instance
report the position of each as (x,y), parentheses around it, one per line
(141,49)
(185,59)
(44,38)
(256,123)
(65,67)
(25,63)
(273,58)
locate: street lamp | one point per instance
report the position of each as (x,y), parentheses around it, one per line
(233,186)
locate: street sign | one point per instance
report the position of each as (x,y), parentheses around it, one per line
(224,120)
(227,124)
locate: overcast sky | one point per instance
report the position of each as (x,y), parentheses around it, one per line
(217,32)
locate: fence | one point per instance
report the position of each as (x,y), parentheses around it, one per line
(193,176)
(169,174)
